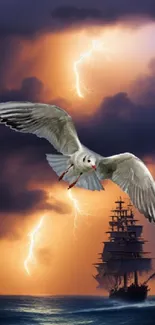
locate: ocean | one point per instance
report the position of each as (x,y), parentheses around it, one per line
(74,310)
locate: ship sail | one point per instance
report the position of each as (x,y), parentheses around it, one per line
(120,267)
(123,258)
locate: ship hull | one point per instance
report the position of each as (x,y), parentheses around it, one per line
(130,294)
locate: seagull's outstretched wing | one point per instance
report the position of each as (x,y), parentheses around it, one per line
(134,178)
(46,121)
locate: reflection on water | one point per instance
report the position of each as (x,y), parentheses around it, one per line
(23,310)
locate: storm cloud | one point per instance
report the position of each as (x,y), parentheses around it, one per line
(123,122)
(29,18)
(19,202)
(105,12)
(122,126)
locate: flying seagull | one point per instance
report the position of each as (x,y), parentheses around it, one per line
(76,164)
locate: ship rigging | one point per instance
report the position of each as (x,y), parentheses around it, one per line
(123,260)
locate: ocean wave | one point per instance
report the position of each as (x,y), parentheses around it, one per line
(118,306)
(75,311)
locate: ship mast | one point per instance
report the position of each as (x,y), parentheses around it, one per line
(123,257)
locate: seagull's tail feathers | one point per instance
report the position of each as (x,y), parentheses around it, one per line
(90,181)
(59,163)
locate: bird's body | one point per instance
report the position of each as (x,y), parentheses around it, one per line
(76,164)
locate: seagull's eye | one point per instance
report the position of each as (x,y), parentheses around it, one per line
(88,160)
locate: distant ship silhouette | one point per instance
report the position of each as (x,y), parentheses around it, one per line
(123,259)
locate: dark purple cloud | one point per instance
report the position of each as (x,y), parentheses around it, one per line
(105,12)
(19,202)
(28,18)
(143,88)
(122,126)
(72,14)
(31,89)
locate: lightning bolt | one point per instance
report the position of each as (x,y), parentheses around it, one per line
(76,63)
(96,45)
(75,204)
(30,258)
(76,207)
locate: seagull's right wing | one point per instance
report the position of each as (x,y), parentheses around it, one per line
(134,178)
(46,121)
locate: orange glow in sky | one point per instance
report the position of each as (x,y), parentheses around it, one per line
(51,59)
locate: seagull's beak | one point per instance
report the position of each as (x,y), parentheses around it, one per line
(94,167)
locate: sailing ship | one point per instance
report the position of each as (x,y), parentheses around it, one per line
(123,260)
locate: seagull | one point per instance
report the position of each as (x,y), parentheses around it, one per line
(76,164)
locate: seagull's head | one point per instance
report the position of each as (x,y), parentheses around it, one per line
(90,162)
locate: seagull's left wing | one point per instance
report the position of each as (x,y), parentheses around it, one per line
(134,178)
(46,121)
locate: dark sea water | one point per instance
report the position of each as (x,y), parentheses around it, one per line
(23,310)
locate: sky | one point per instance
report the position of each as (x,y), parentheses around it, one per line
(40,41)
